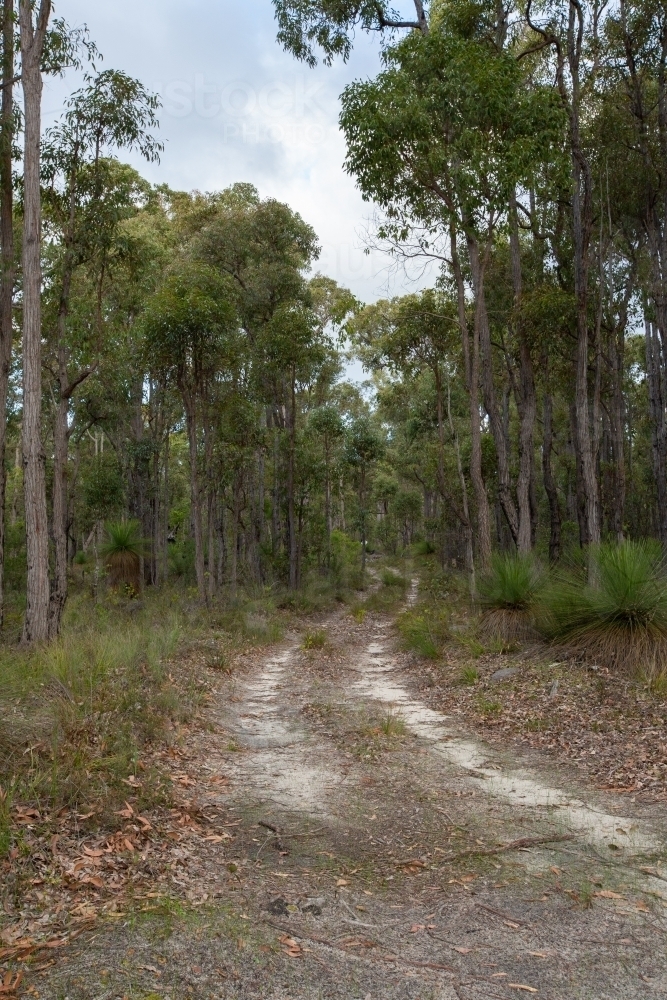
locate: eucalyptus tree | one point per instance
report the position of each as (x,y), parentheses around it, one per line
(308,26)
(327,424)
(420,332)
(192,334)
(364,446)
(440,140)
(7,275)
(33,32)
(87,197)
(44,49)
(630,140)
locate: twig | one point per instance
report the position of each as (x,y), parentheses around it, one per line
(269,826)
(515,845)
(336,947)
(505,916)
(418,965)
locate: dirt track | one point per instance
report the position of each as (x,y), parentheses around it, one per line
(364,854)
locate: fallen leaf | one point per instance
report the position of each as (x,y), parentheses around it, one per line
(608,894)
(92,853)
(417,927)
(510,923)
(342,881)
(521,986)
(538,954)
(10,985)
(463,951)
(93,880)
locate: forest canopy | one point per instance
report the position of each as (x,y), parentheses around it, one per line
(174,360)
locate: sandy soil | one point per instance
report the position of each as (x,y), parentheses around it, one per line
(370,847)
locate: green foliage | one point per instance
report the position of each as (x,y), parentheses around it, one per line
(390,578)
(103,489)
(315,640)
(620,619)
(508,595)
(122,551)
(424,632)
(469,676)
(513,583)
(393,724)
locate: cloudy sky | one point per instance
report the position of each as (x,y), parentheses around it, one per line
(238,108)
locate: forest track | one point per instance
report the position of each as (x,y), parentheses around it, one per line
(371,856)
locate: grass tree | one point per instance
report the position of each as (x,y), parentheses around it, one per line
(509,594)
(619,620)
(122,552)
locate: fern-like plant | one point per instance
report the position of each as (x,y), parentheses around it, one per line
(620,620)
(122,553)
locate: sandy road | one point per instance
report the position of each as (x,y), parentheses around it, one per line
(369,855)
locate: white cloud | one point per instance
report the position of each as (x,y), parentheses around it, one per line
(238,108)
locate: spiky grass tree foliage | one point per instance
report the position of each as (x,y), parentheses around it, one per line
(122,553)
(508,596)
(620,620)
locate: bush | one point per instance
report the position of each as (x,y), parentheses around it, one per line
(424,633)
(621,619)
(508,595)
(390,578)
(315,640)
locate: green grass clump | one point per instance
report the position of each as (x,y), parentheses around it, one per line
(315,640)
(508,594)
(424,632)
(393,725)
(620,618)
(469,676)
(390,578)
(5,822)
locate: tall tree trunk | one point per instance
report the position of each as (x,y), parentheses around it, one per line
(471,365)
(195,496)
(275,506)
(234,544)
(549,481)
(327,497)
(618,431)
(362,516)
(527,397)
(466,521)
(581,231)
(7,257)
(655,366)
(59,527)
(477,267)
(36,625)
(210,508)
(291,518)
